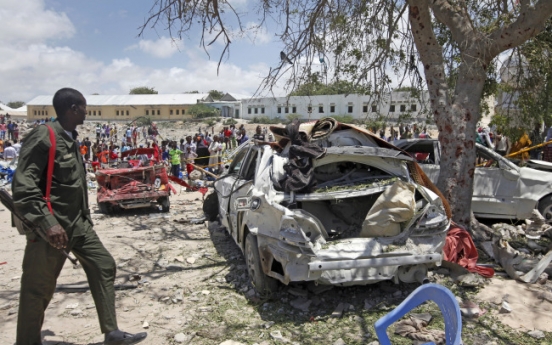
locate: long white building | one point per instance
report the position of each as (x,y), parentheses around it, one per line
(395,106)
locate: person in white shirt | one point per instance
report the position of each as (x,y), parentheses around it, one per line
(9,152)
(17,146)
(215,149)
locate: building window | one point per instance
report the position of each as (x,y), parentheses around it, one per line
(94,112)
(35,112)
(99,113)
(374,108)
(42,112)
(279,110)
(364,108)
(46,112)
(403,108)
(127,113)
(321,109)
(294,110)
(413,107)
(392,108)
(177,111)
(117,112)
(147,112)
(262,110)
(158,112)
(170,112)
(332,108)
(256,110)
(249,110)
(350,109)
(183,111)
(287,110)
(309,109)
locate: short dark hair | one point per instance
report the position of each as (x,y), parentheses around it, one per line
(64,99)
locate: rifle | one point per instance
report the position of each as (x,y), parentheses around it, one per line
(23,225)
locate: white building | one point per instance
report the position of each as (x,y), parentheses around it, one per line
(396,106)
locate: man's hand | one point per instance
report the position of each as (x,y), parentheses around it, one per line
(57,236)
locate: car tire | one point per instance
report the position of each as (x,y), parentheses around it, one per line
(264,284)
(165,204)
(211,207)
(104,207)
(545,208)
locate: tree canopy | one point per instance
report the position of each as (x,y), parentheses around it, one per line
(15,104)
(216,95)
(448,47)
(202,110)
(317,87)
(143,90)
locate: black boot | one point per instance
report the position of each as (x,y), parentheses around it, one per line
(123,338)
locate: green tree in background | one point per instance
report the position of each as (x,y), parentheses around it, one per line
(15,104)
(143,90)
(202,110)
(216,94)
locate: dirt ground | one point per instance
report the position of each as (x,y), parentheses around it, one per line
(187,284)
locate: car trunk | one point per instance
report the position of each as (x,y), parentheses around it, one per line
(359,196)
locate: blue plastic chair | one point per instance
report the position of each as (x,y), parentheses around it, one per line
(434,292)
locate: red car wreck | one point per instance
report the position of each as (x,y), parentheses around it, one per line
(134,183)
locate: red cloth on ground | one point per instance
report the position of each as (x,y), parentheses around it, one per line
(459,248)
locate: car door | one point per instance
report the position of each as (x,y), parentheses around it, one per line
(238,200)
(227,183)
(495,185)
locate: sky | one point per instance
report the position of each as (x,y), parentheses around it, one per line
(95,47)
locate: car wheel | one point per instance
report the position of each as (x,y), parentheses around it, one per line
(211,207)
(545,208)
(104,207)
(165,204)
(264,284)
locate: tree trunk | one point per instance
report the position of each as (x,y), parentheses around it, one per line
(456,116)
(457,130)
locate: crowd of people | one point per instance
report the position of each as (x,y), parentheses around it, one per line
(402,132)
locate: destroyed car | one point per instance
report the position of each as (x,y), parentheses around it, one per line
(501,189)
(331,204)
(131,184)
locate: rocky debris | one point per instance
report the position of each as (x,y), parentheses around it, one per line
(278,337)
(368,304)
(536,334)
(76,312)
(145,325)
(298,292)
(301,303)
(231,342)
(213,333)
(338,312)
(191,260)
(339,342)
(182,338)
(175,267)
(471,310)
(505,308)
(72,306)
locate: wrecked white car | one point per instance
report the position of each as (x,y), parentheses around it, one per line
(332,204)
(501,189)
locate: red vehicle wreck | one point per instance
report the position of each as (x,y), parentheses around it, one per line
(134,184)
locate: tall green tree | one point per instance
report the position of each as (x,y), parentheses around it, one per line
(447,46)
(216,95)
(143,90)
(202,110)
(15,104)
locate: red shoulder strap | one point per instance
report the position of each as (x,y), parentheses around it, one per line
(50,172)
